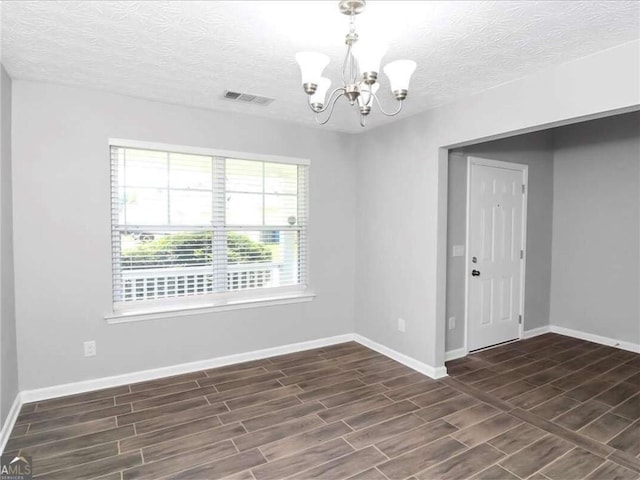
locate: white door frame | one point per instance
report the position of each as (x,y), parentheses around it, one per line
(467,259)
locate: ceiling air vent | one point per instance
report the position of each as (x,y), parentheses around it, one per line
(247,98)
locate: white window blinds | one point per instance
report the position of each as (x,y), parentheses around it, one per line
(190,224)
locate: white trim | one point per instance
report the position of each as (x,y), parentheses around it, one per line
(212,152)
(144,375)
(455,354)
(523,273)
(487,162)
(467,260)
(138,316)
(46,393)
(10,421)
(433,372)
(55,391)
(590,337)
(209,299)
(534,332)
(471,160)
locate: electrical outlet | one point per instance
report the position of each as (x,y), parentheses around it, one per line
(402,325)
(90,348)
(452,323)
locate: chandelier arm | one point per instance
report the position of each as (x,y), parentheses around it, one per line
(329,102)
(382,109)
(333,104)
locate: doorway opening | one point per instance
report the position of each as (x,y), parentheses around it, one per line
(583,206)
(508,295)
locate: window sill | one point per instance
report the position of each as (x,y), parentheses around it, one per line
(241,304)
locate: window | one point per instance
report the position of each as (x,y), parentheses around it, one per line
(205,226)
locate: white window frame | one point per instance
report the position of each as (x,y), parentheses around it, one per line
(220,301)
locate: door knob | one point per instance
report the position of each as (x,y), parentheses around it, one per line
(475,273)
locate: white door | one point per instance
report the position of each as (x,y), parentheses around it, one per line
(496,228)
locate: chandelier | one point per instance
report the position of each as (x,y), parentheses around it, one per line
(359,74)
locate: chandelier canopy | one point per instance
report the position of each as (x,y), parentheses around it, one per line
(359,73)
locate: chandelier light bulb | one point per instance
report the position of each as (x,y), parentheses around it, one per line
(317,99)
(399,73)
(311,66)
(369,55)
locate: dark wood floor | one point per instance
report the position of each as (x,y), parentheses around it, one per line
(551,407)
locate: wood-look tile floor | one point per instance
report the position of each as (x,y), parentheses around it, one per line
(550,407)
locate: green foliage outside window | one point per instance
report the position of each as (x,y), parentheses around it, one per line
(191,249)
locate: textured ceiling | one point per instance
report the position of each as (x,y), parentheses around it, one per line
(190,52)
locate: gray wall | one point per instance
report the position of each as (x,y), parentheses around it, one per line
(534,150)
(62,235)
(402,175)
(8,352)
(61,200)
(595,286)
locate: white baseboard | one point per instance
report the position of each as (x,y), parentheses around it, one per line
(433,372)
(144,375)
(612,342)
(534,332)
(46,393)
(55,391)
(10,421)
(455,354)
(590,337)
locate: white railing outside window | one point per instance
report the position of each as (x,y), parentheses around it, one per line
(147,284)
